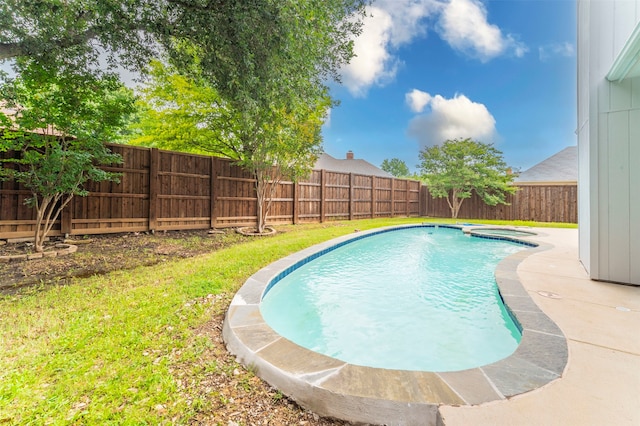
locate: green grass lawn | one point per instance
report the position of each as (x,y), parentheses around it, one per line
(105,349)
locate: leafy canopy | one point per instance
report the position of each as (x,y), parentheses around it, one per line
(181,113)
(395,166)
(460,167)
(186,113)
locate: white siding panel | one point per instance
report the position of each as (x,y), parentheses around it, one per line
(634,208)
(584,196)
(620,95)
(602,199)
(584,199)
(602,56)
(625,21)
(583,63)
(619,262)
(635,93)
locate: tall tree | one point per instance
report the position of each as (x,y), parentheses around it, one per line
(54,140)
(395,166)
(460,167)
(267,59)
(187,114)
(272,67)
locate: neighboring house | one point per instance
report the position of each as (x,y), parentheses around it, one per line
(349,165)
(11,113)
(559,169)
(609,139)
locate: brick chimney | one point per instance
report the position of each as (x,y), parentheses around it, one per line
(349,155)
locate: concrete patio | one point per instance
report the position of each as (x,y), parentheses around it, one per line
(601,321)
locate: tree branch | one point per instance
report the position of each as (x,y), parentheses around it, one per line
(13,50)
(10,50)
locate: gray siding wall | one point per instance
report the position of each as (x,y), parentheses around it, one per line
(608,143)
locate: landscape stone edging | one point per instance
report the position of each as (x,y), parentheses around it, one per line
(60,250)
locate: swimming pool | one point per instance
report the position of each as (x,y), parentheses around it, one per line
(420,298)
(335,388)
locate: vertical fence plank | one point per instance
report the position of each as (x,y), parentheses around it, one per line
(351,196)
(66,217)
(406,196)
(323,184)
(154,160)
(373,197)
(393,198)
(296,201)
(213,192)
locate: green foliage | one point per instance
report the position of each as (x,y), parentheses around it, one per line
(72,34)
(182,113)
(186,113)
(462,166)
(55,138)
(271,70)
(259,51)
(395,166)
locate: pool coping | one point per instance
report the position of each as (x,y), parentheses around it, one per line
(334,388)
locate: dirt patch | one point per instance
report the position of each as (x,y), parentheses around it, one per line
(100,254)
(234,395)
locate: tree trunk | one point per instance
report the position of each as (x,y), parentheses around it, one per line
(454,204)
(266,186)
(260,194)
(47,212)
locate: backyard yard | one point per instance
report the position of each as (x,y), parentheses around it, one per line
(127,330)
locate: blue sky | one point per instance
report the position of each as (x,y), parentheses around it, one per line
(501,72)
(497,71)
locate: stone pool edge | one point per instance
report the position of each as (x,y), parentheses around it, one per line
(334,388)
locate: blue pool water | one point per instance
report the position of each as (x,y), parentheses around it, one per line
(421,298)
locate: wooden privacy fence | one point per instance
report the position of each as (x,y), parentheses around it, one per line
(164,190)
(541,203)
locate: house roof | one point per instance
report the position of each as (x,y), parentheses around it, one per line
(559,168)
(11,113)
(349,165)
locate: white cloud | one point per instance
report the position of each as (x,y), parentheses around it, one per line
(565,49)
(408,17)
(327,118)
(463,24)
(454,118)
(388,25)
(372,62)
(417,100)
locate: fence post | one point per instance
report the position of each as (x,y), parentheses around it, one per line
(154,162)
(213,193)
(296,199)
(323,182)
(373,197)
(351,190)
